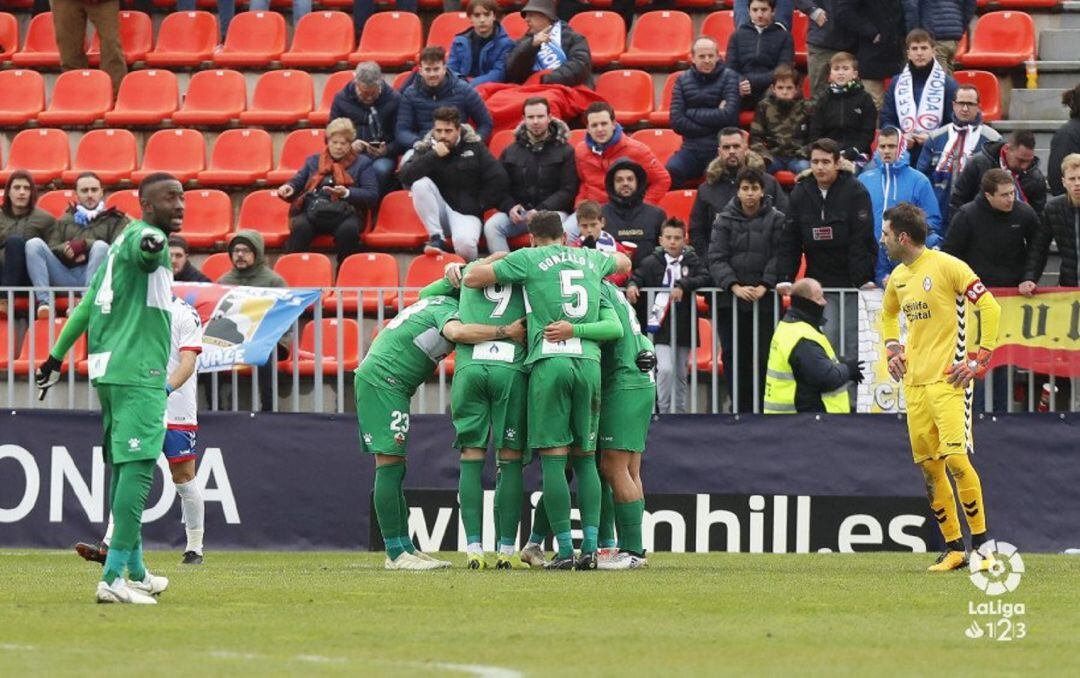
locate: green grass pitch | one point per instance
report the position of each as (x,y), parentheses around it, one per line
(259,613)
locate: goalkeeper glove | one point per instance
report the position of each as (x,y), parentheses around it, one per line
(47,375)
(646,361)
(961,374)
(897,361)
(855,370)
(152,242)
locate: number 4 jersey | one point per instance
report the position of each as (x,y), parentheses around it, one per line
(408,349)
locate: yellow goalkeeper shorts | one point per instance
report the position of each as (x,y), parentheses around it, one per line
(939,420)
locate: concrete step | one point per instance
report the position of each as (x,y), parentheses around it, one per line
(1057,20)
(1036,104)
(1058,45)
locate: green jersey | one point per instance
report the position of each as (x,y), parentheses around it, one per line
(561,283)
(618,358)
(409,348)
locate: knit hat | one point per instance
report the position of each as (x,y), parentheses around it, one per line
(545,7)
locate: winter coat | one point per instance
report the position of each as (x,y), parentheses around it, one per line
(650,273)
(376,122)
(833,35)
(968,185)
(592,165)
(1060,222)
(815,372)
(943,19)
(870,19)
(744,249)
(717,191)
(363,194)
(630,219)
(418,103)
(849,118)
(835,233)
(993,243)
(189,273)
(1066,140)
(37,223)
(695,105)
(542,175)
(105,226)
(258,274)
(576,70)
(492,56)
(469,178)
(919,76)
(892,183)
(755,54)
(942,182)
(779,129)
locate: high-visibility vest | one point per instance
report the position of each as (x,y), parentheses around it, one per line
(780,380)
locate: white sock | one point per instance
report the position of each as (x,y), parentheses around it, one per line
(475,548)
(191,503)
(108,531)
(506,549)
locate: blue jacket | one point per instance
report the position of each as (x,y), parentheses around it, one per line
(364,193)
(943,19)
(384,111)
(418,103)
(755,55)
(695,101)
(889,117)
(896,182)
(942,182)
(492,56)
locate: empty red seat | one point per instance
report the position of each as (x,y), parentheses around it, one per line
(1001,40)
(9,36)
(321,40)
(240,157)
(180,152)
(514,25)
(40,49)
(390,39)
(207,217)
(606,33)
(424,270)
(703,356)
(445,27)
(265,212)
(109,153)
(376,270)
(214,97)
(136,38)
(5,353)
(499,141)
(989,91)
(577,136)
(338,352)
(127,201)
(334,84)
(216,265)
(185,39)
(254,38)
(281,98)
(45,333)
(678,203)
(661,117)
(719,26)
(630,93)
(660,39)
(398,225)
(42,152)
(56,202)
(663,142)
(24,96)
(78,98)
(298,146)
(305,269)
(145,98)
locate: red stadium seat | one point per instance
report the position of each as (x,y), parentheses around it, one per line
(253,39)
(24,96)
(298,146)
(659,39)
(180,152)
(109,153)
(127,201)
(390,39)
(185,39)
(43,327)
(499,141)
(321,40)
(40,49)
(661,117)
(663,142)
(78,98)
(401,79)
(398,226)
(145,98)
(214,97)
(989,91)
(445,27)
(207,217)
(241,157)
(136,38)
(785,178)
(1001,40)
(306,269)
(367,270)
(703,358)
(281,98)
(56,202)
(678,203)
(350,345)
(606,34)
(9,36)
(1019,4)
(265,212)
(720,26)
(334,84)
(424,270)
(800,27)
(514,25)
(216,265)
(5,355)
(42,152)
(577,136)
(630,93)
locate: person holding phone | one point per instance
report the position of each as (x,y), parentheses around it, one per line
(372,106)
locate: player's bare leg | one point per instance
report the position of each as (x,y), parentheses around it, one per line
(471,501)
(192,509)
(622,470)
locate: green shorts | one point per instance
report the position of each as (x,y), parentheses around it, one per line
(488,403)
(134,421)
(564,403)
(625,415)
(383,418)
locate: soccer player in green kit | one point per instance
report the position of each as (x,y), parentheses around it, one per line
(561,283)
(126,313)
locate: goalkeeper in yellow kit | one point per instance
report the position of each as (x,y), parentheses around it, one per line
(932,289)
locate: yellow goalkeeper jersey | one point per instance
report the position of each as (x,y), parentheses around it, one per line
(933,293)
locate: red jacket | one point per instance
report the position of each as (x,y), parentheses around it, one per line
(592,168)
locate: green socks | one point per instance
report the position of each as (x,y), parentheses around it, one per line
(606,536)
(557,500)
(628,518)
(588,496)
(130,487)
(389,500)
(541,528)
(508,497)
(471,499)
(404,538)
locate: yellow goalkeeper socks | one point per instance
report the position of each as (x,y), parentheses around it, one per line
(942,503)
(970,490)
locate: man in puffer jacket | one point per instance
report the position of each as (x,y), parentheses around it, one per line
(478,54)
(626,216)
(437,87)
(1060,223)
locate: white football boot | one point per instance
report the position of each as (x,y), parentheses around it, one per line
(407,561)
(151,584)
(623,560)
(120,592)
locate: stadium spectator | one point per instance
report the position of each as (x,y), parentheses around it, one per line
(704,101)
(919,99)
(881,28)
(626,216)
(675,266)
(372,105)
(590,220)
(1017,156)
(779,130)
(720,186)
(892,181)
(550,45)
(783,9)
(540,168)
(743,261)
(299,8)
(756,48)
(454,179)
(826,37)
(78,243)
(437,87)
(1061,223)
(1066,140)
(69,22)
(478,54)
(948,149)
(846,112)
(20,220)
(946,20)
(331,193)
(182,267)
(804,373)
(226,10)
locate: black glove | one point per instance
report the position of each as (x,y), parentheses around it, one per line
(588,242)
(855,369)
(47,375)
(646,361)
(152,242)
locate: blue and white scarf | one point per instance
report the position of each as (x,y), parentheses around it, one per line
(84,216)
(551,54)
(928,115)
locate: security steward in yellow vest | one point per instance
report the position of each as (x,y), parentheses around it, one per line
(803,373)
